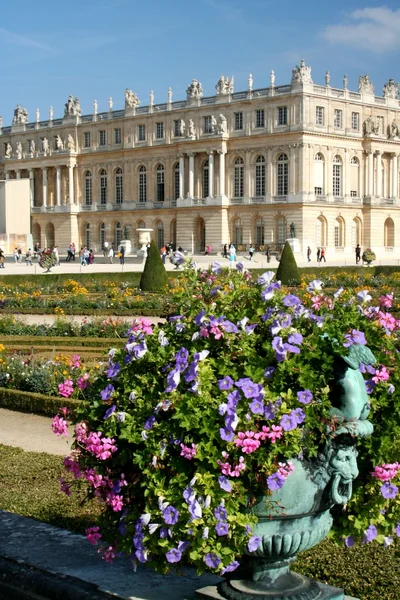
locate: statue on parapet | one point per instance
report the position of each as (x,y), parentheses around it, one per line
(18,151)
(131,99)
(391,90)
(191,129)
(8,150)
(194,90)
(32,148)
(181,128)
(20,115)
(393,130)
(59,143)
(223,126)
(224,86)
(365,85)
(370,127)
(301,74)
(72,107)
(45,146)
(70,143)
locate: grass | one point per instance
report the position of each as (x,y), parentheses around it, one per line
(29,486)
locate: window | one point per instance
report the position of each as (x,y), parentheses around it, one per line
(338,119)
(176,181)
(319,167)
(355,121)
(103,186)
(260,176)
(159,131)
(353,193)
(260,118)
(208,124)
(239,178)
(142,184)
(117,135)
(141,133)
(389,233)
(337,176)
(160,234)
(118,234)
(102,138)
(319,115)
(87,235)
(206,180)
(86,139)
(238,121)
(354,179)
(318,191)
(282,115)
(282,175)
(237,232)
(102,235)
(118,186)
(339,233)
(88,187)
(259,232)
(177,128)
(281,230)
(160,183)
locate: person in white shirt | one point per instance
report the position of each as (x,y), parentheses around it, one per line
(111,254)
(105,249)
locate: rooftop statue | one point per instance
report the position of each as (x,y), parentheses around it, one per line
(365,86)
(72,107)
(131,99)
(391,90)
(224,86)
(194,90)
(301,74)
(20,115)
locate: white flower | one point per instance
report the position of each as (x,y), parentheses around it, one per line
(145,518)
(266,278)
(315,286)
(364,296)
(338,293)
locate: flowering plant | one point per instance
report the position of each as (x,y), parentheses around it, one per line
(198,418)
(47,260)
(368,256)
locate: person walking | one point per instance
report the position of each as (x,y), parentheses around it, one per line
(82,257)
(28,258)
(19,255)
(111,255)
(251,252)
(91,256)
(318,254)
(55,251)
(358,253)
(309,254)
(232,255)
(35,250)
(105,249)
(225,251)
(322,257)
(15,255)
(268,253)
(163,254)
(2,258)
(86,255)
(122,255)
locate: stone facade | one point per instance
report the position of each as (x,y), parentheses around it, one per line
(238,166)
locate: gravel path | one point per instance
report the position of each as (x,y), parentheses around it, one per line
(31,432)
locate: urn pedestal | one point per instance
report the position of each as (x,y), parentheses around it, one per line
(144,239)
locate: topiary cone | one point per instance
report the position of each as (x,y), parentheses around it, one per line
(288,271)
(154,277)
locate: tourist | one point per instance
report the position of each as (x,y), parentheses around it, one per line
(268,254)
(86,255)
(122,255)
(82,257)
(73,249)
(318,254)
(163,254)
(19,255)
(251,252)
(55,251)
(322,257)
(232,255)
(91,256)
(15,255)
(2,258)
(309,254)
(28,258)
(358,253)
(35,250)
(105,249)
(207,250)
(111,254)
(225,251)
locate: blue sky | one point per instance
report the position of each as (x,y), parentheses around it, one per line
(97,48)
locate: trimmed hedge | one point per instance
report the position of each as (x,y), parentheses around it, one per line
(288,272)
(154,277)
(38,404)
(64,341)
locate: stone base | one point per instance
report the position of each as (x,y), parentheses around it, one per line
(294,244)
(327,592)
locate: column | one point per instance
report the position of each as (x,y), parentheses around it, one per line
(58,186)
(211,173)
(221,172)
(7,175)
(395,180)
(191,174)
(18,173)
(71,183)
(370,173)
(32,186)
(181,176)
(248,172)
(378,174)
(44,186)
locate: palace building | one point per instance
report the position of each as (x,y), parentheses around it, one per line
(252,167)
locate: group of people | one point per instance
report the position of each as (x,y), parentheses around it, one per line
(320,254)
(110,253)
(172,253)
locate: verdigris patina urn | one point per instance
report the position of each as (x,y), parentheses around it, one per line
(297,517)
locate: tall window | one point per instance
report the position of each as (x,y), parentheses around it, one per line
(260,118)
(178,128)
(102,138)
(119,196)
(206,180)
(176,181)
(354,177)
(319,164)
(118,234)
(355,121)
(160,183)
(238,121)
(103,186)
(338,119)
(159,131)
(87,235)
(141,133)
(88,187)
(282,115)
(86,139)
(281,230)
(339,233)
(160,234)
(207,124)
(259,232)
(260,176)
(389,233)
(142,184)
(337,176)
(319,115)
(117,135)
(238,191)
(283,175)
(102,235)
(237,232)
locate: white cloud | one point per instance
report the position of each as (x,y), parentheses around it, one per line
(374,29)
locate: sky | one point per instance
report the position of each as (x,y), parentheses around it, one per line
(95,49)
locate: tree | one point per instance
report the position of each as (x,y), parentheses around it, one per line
(288,271)
(154,277)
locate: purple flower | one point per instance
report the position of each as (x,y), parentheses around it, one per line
(269,371)
(280,352)
(295,338)
(251,389)
(363,296)
(140,350)
(224,484)
(257,407)
(291,300)
(222,529)
(239,266)
(304,396)
(150,423)
(268,314)
(226,434)
(397,529)
(110,411)
(270,412)
(171,515)
(370,386)
(212,560)
(253,543)
(173,555)
(199,318)
(231,567)
(349,541)
(182,546)
(233,400)
(173,379)
(275,481)
(113,370)
(216,268)
(388,490)
(220,513)
(195,510)
(226,383)
(189,495)
(298,415)
(107,392)
(288,422)
(370,534)
(355,337)
(266,278)
(229,327)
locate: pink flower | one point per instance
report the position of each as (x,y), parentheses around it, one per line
(72,466)
(115,501)
(272,434)
(285,469)
(100,448)
(64,487)
(59,425)
(93,535)
(81,432)
(188,452)
(381,374)
(249,441)
(227,469)
(386,472)
(66,389)
(83,382)
(215,330)
(386,301)
(143,325)
(317,302)
(75,361)
(108,554)
(387,321)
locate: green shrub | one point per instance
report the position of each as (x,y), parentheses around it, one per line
(288,271)
(154,277)
(38,404)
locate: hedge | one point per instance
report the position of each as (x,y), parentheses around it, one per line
(38,404)
(64,341)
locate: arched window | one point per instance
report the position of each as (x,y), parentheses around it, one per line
(87,235)
(238,190)
(282,175)
(160,234)
(355,178)
(356,232)
(259,232)
(389,233)
(118,234)
(319,163)
(88,187)
(176,181)
(237,231)
(280,225)
(160,183)
(103,186)
(260,177)
(102,235)
(206,179)
(337,176)
(321,232)
(141,225)
(142,184)
(339,233)
(119,195)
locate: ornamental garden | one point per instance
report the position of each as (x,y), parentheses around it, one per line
(191,433)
